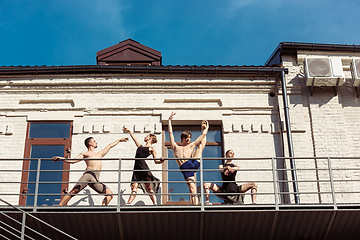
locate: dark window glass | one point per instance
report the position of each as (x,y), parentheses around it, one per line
(49,130)
(52,187)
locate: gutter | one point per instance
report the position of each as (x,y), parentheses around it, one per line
(140,69)
(289,138)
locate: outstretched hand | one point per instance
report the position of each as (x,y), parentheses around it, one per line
(125,129)
(162,160)
(124,139)
(56,158)
(172,115)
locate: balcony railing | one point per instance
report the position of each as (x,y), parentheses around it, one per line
(20,234)
(322,182)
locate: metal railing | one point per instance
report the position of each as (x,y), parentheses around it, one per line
(21,234)
(324,184)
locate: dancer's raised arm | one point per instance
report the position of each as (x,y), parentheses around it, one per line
(111,145)
(137,143)
(171,135)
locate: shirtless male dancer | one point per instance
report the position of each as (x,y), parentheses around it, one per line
(185,151)
(92,173)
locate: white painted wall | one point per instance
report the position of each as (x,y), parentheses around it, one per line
(323,124)
(100,106)
(330,122)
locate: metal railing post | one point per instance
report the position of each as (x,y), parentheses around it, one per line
(332,184)
(37,184)
(202,184)
(119,188)
(23,225)
(275,184)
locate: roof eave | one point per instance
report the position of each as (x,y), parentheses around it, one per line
(139,69)
(293,47)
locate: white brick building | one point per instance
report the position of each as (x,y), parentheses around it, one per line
(243,104)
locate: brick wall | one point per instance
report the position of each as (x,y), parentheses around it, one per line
(100,106)
(328,128)
(322,124)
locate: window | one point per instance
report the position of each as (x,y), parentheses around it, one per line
(45,140)
(213,149)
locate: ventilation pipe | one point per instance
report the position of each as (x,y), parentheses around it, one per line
(289,138)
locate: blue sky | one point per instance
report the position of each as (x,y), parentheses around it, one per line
(227,32)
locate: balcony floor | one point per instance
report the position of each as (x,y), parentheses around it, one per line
(190,223)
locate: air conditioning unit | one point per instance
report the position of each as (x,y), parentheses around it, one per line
(355,69)
(324,72)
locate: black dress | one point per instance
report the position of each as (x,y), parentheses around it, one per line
(230,187)
(140,176)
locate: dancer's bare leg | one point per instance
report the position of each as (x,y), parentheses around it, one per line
(198,154)
(108,197)
(149,190)
(67,198)
(200,148)
(190,181)
(134,188)
(210,186)
(247,186)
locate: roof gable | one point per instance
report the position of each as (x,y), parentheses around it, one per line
(128,52)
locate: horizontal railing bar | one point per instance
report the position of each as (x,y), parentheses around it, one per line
(205,170)
(184,170)
(326,181)
(146,194)
(316,169)
(131,170)
(124,182)
(203,159)
(314,181)
(303,193)
(213,181)
(174,194)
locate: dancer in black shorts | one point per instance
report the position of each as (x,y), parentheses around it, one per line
(185,151)
(141,177)
(228,175)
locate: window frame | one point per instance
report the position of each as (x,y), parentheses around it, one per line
(29,142)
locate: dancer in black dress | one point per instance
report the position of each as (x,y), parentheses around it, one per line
(144,179)
(228,175)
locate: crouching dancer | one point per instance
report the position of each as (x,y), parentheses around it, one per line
(92,173)
(228,174)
